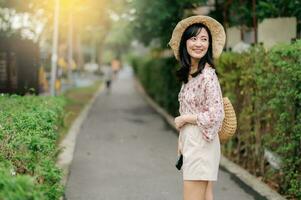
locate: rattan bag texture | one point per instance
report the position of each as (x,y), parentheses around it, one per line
(229,123)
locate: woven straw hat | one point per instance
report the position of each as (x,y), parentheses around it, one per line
(216,29)
(230,123)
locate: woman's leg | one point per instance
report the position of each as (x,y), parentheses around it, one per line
(195,190)
(209,191)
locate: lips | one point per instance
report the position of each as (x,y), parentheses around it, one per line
(198,51)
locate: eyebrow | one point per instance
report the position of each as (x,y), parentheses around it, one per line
(202,36)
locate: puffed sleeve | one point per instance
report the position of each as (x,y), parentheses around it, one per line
(210,121)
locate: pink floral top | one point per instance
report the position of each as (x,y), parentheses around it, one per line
(202,96)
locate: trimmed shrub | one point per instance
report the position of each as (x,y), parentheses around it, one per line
(159,80)
(28,136)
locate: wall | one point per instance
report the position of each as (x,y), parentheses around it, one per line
(277,30)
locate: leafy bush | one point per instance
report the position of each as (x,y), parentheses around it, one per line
(266,93)
(158,78)
(28,136)
(18,187)
(285,104)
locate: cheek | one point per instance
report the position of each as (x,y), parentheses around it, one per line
(188,45)
(206,45)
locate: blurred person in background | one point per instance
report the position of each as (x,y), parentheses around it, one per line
(108,77)
(116,66)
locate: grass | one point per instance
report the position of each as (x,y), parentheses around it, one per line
(77,99)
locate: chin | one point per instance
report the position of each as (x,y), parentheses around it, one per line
(197,56)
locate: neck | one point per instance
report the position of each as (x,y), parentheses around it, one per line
(194,65)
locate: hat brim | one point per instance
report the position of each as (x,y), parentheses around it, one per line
(216,29)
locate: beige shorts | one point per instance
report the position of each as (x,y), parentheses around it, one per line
(200,158)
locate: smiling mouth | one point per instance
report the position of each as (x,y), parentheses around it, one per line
(198,51)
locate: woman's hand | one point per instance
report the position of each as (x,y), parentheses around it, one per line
(183,119)
(179,122)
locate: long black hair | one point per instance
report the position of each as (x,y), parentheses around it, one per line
(185,59)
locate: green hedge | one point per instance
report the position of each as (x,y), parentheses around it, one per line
(265,89)
(28,150)
(158,78)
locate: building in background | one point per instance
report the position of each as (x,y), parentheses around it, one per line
(269,32)
(19,66)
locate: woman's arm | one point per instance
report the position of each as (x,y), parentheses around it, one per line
(183,119)
(211,120)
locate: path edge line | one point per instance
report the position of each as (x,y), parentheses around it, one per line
(67,145)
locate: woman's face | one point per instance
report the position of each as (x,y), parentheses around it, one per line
(197,46)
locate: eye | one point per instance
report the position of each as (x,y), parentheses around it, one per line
(204,39)
(193,38)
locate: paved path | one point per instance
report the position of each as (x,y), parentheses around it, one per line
(125,151)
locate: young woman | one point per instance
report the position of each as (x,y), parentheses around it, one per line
(196,41)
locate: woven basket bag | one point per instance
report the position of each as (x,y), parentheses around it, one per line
(229,123)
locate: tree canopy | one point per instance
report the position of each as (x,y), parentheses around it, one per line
(155,19)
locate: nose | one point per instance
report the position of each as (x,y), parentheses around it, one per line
(199,43)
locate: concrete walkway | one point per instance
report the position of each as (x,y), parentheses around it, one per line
(125,151)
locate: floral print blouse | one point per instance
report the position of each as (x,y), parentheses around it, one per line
(202,96)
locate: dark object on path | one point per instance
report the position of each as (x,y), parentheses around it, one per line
(179,162)
(108,84)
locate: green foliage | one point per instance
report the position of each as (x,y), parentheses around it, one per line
(265,89)
(240,77)
(28,136)
(240,12)
(266,93)
(285,104)
(18,187)
(275,8)
(157,19)
(158,79)
(117,42)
